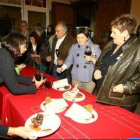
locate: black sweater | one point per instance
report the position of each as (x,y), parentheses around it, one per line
(11,79)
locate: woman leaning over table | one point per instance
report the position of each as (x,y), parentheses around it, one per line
(83,65)
(117,71)
(13,46)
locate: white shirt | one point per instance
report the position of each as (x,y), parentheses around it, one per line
(58,43)
(34,47)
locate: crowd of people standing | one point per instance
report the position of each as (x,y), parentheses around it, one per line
(116,69)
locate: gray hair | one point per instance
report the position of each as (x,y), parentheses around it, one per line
(24,21)
(64,26)
(39,29)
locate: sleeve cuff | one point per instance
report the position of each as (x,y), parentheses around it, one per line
(64,67)
(3,130)
(126,89)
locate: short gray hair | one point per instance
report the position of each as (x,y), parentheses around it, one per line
(64,26)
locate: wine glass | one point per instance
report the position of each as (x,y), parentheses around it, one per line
(38,75)
(48,84)
(88,52)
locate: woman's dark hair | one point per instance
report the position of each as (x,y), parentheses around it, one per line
(138,31)
(13,42)
(83,31)
(124,22)
(34,35)
(52,29)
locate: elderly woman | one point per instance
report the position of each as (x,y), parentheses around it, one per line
(118,68)
(82,70)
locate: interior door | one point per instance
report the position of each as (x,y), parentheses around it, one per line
(66,13)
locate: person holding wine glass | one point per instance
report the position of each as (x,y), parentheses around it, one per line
(83,61)
(12,47)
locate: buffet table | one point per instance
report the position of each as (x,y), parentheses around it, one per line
(113,122)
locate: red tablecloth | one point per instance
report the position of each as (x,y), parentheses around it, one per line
(113,122)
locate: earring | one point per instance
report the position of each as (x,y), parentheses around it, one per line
(124,39)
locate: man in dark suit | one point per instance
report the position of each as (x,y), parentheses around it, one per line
(60,49)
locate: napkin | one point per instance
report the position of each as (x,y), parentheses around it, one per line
(72,93)
(61,83)
(56,105)
(78,112)
(21,66)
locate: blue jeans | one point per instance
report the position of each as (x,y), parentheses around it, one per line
(60,75)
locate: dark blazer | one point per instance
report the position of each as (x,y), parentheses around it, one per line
(3,130)
(63,49)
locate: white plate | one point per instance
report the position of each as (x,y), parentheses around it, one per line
(61,89)
(52,121)
(83,121)
(73,99)
(43,108)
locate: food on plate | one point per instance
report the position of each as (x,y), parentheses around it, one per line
(79,95)
(67,87)
(73,95)
(36,122)
(67,96)
(47,130)
(89,108)
(48,100)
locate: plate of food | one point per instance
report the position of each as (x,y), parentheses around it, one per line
(73,97)
(61,85)
(62,88)
(86,121)
(80,114)
(43,124)
(57,105)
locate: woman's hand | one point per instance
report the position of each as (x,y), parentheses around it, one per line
(21,132)
(60,62)
(35,55)
(97,74)
(33,80)
(59,70)
(39,83)
(90,59)
(48,59)
(119,88)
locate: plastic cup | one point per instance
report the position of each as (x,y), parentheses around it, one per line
(17,70)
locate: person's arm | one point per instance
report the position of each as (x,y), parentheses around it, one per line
(131,86)
(3,130)
(21,132)
(7,73)
(69,60)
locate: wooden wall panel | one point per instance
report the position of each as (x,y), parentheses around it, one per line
(107,11)
(66,13)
